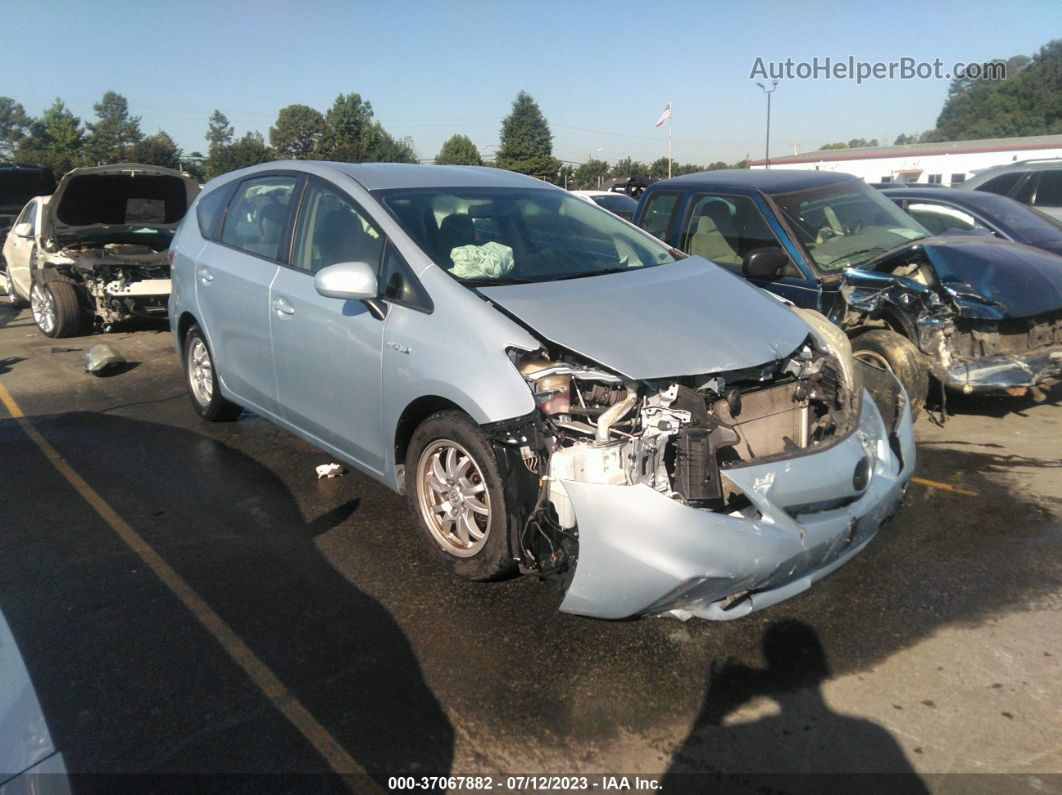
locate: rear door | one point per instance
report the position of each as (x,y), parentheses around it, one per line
(328,351)
(233,276)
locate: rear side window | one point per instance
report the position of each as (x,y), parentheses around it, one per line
(1003,183)
(656,220)
(257,219)
(211,209)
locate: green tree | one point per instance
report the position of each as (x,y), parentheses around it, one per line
(158,150)
(219,131)
(459,151)
(388,149)
(298,132)
(13,126)
(56,140)
(526,142)
(247,151)
(115,131)
(589,175)
(628,167)
(351,135)
(1027,102)
(857,143)
(718,165)
(838,145)
(195,164)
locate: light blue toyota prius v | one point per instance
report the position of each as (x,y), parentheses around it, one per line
(554,390)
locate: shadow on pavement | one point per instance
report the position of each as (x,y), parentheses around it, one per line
(804,747)
(129,681)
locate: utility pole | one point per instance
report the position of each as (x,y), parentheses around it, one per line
(768,92)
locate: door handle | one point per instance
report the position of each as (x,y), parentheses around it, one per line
(283,306)
(205,276)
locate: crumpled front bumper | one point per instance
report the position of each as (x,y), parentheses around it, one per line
(641,552)
(996,374)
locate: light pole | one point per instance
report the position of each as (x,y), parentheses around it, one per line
(768,92)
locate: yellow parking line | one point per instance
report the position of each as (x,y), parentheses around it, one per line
(946,487)
(266,681)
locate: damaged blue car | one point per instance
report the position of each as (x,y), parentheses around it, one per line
(978,314)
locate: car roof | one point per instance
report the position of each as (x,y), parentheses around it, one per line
(390,176)
(764,180)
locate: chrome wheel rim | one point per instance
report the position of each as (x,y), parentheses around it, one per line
(5,284)
(453,497)
(876,359)
(43,308)
(200,372)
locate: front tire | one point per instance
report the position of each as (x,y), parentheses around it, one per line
(455,491)
(56,309)
(201,379)
(897,354)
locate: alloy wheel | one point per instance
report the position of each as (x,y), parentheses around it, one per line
(453,498)
(200,372)
(43,308)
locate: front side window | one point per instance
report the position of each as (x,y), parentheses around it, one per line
(725,228)
(941,218)
(257,218)
(31,215)
(503,235)
(656,220)
(846,223)
(332,230)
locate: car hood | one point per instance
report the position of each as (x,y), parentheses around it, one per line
(97,197)
(1014,279)
(685,318)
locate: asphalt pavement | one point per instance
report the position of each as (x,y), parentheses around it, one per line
(934,655)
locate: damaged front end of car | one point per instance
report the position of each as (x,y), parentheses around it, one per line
(987,315)
(710,495)
(107,231)
(117,280)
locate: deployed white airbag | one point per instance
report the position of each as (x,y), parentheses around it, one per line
(488,261)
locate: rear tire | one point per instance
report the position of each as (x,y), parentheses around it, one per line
(201,379)
(897,354)
(56,309)
(454,488)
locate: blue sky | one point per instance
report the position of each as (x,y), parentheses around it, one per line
(602,71)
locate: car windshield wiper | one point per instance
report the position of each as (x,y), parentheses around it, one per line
(851,254)
(498,281)
(584,274)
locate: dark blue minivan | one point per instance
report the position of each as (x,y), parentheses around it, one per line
(977,313)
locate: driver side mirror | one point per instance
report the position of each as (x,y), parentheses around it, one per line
(25,229)
(350,281)
(765,264)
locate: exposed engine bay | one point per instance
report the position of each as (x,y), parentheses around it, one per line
(118,279)
(677,436)
(984,338)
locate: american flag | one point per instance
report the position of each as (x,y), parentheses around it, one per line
(665,115)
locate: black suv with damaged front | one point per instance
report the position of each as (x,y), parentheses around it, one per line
(102,253)
(979,314)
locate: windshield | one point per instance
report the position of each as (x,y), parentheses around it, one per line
(846,223)
(507,235)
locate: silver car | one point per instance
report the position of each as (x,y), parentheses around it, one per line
(554,390)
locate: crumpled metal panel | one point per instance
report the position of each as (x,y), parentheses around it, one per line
(643,552)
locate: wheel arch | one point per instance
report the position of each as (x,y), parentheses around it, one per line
(413,415)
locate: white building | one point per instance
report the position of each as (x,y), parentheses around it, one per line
(945,163)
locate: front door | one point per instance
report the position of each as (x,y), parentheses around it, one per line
(327,350)
(20,250)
